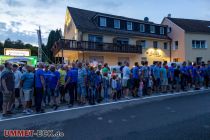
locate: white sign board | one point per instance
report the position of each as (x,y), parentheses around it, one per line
(17,52)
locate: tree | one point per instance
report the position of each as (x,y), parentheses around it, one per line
(18,45)
(52,38)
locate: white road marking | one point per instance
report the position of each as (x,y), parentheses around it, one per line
(103,104)
(110,121)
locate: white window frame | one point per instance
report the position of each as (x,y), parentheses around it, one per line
(175,46)
(194,45)
(116,23)
(103,22)
(131,26)
(142,28)
(162,30)
(152,29)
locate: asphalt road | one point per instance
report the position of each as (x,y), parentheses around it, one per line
(178,118)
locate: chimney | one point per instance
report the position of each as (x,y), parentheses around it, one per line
(169,15)
(146,19)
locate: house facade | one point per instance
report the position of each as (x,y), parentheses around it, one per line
(93,36)
(190,39)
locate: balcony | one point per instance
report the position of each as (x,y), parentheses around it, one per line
(94,46)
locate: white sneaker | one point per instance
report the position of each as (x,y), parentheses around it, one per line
(24,111)
(28,112)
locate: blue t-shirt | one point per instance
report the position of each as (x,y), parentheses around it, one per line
(190,69)
(47,78)
(28,80)
(195,72)
(184,70)
(164,72)
(156,72)
(38,74)
(135,72)
(82,73)
(73,74)
(171,72)
(54,77)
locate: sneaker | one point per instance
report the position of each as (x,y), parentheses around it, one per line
(24,111)
(28,112)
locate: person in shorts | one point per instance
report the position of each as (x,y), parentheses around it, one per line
(163,78)
(17,75)
(27,84)
(126,76)
(7,88)
(135,73)
(54,85)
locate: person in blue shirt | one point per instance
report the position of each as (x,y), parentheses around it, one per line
(156,76)
(54,85)
(98,86)
(46,96)
(40,87)
(71,84)
(27,83)
(81,83)
(184,76)
(92,86)
(190,75)
(135,73)
(171,77)
(196,76)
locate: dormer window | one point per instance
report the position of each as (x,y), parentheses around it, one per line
(162,30)
(152,29)
(142,28)
(102,21)
(129,26)
(117,24)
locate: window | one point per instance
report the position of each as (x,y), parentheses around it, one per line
(117,24)
(176,45)
(95,38)
(129,26)
(162,30)
(102,21)
(143,44)
(152,29)
(142,28)
(121,41)
(165,45)
(199,44)
(155,44)
(169,29)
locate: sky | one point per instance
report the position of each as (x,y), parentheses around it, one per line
(19,19)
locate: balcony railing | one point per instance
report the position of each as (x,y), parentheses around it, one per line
(95,46)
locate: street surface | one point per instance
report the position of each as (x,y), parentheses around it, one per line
(178,118)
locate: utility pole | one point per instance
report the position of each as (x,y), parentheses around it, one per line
(40,45)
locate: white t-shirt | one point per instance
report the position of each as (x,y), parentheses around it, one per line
(126,72)
(17,75)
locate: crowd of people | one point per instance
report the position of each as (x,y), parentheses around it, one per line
(32,89)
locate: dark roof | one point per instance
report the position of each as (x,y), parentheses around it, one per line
(192,25)
(83,20)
